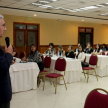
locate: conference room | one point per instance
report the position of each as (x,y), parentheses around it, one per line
(53,54)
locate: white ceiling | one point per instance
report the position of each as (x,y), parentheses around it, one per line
(22,8)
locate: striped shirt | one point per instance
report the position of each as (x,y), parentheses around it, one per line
(35,57)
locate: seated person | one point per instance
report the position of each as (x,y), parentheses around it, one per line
(70,52)
(51,49)
(97,50)
(80,54)
(76,50)
(104,48)
(35,56)
(15,52)
(88,49)
(60,50)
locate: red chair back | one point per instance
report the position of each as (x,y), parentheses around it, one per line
(42,57)
(93,60)
(74,55)
(103,53)
(96,99)
(107,54)
(60,64)
(47,62)
(22,54)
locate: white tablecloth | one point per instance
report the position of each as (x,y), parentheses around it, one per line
(102,64)
(73,69)
(24,76)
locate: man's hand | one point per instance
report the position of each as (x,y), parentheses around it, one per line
(13,62)
(9,49)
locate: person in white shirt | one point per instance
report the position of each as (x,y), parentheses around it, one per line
(97,51)
(80,54)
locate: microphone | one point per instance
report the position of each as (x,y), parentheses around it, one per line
(7,40)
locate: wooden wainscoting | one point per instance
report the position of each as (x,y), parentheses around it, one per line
(43,48)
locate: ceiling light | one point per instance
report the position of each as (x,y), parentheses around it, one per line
(35,15)
(89,7)
(72,11)
(53,0)
(82,20)
(36,4)
(100,5)
(58,8)
(77,9)
(45,6)
(45,2)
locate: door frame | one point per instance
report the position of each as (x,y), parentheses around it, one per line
(86,32)
(38,30)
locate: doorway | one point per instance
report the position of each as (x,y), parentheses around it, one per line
(85,35)
(25,35)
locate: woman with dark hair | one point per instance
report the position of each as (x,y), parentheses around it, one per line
(80,54)
(104,47)
(97,50)
(70,52)
(88,49)
(61,51)
(35,56)
(51,49)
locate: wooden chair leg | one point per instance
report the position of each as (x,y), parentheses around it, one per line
(84,74)
(38,80)
(50,81)
(53,82)
(42,78)
(65,83)
(96,74)
(44,83)
(56,86)
(87,76)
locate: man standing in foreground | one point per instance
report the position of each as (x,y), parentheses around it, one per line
(6,60)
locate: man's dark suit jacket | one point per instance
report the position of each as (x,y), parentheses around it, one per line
(5,83)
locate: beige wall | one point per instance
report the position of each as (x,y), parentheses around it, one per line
(64,33)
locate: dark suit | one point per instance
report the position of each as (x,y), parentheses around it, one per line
(5,83)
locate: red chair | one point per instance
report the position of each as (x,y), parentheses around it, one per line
(103,53)
(93,61)
(107,54)
(42,57)
(60,66)
(47,64)
(74,55)
(22,54)
(96,99)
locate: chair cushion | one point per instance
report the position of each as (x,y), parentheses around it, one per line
(53,75)
(87,68)
(43,71)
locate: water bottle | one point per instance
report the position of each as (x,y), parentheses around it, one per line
(61,54)
(53,52)
(58,53)
(48,52)
(77,50)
